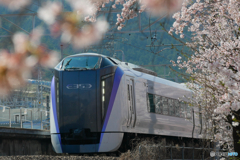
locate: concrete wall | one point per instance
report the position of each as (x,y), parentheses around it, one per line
(24,142)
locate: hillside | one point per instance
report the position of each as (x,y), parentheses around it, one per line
(139,48)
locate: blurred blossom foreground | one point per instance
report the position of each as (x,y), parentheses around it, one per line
(16,67)
(81,28)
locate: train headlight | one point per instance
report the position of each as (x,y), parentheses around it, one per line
(103,91)
(103,83)
(103,97)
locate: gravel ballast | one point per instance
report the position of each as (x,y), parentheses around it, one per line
(46,157)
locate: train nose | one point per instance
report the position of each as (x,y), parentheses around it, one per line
(78,100)
(80,136)
(78,108)
(83,86)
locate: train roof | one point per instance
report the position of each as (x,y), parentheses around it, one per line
(135,73)
(120,63)
(135,69)
(87,54)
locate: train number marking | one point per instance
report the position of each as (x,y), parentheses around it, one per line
(79,86)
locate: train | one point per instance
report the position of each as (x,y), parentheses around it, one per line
(96,100)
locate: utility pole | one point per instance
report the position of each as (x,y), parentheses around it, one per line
(61,46)
(123,56)
(39,92)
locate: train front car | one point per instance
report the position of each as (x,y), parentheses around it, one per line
(82,94)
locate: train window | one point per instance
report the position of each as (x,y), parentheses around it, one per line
(165,105)
(148,104)
(182,109)
(151,103)
(168,106)
(158,104)
(188,112)
(58,66)
(106,62)
(177,106)
(81,62)
(114,60)
(171,107)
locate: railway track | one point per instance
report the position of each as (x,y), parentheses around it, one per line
(47,157)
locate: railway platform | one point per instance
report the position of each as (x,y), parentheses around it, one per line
(22,141)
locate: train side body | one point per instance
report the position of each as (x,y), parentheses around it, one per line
(153,123)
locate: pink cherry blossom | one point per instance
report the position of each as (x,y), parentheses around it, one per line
(70,26)
(67,25)
(15,4)
(16,67)
(13,72)
(162,7)
(90,34)
(215,63)
(49,12)
(83,7)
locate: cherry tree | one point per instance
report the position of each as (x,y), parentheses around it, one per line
(214,67)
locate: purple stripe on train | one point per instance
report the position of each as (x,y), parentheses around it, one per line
(53,95)
(117,79)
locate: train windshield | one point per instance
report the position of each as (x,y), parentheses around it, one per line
(81,63)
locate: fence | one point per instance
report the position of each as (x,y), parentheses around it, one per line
(46,121)
(24,118)
(4,107)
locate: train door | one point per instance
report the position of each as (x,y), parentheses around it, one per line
(131,102)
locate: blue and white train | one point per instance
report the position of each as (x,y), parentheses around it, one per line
(96,99)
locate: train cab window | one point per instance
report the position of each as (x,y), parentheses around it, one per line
(58,66)
(81,63)
(115,61)
(105,62)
